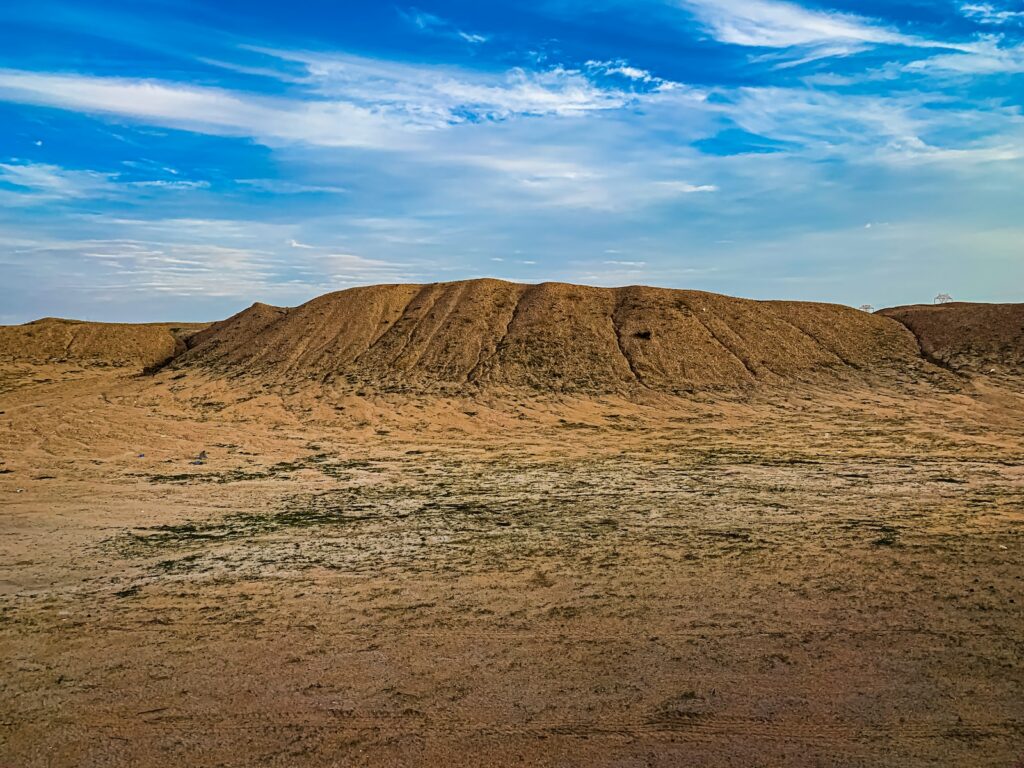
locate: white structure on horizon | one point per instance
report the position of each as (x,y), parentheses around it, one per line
(943,298)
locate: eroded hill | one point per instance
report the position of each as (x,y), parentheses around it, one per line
(488,334)
(52,340)
(969,337)
(551,337)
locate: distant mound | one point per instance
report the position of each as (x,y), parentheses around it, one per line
(551,337)
(969,337)
(112,344)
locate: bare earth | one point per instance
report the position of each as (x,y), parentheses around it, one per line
(805,576)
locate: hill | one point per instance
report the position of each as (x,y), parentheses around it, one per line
(52,340)
(967,337)
(551,337)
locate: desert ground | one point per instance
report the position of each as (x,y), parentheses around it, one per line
(200,567)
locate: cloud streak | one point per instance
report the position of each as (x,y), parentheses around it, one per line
(813,34)
(431,24)
(352,102)
(154,260)
(206,110)
(772,24)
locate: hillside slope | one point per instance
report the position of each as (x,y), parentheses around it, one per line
(551,337)
(109,344)
(968,337)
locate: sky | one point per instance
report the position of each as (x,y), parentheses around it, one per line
(181,159)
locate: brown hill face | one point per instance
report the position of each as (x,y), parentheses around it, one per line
(551,337)
(970,337)
(113,344)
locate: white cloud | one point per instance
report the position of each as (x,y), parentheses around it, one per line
(685,188)
(985,57)
(622,68)
(907,129)
(428,22)
(284,187)
(919,153)
(986,13)
(164,184)
(176,257)
(126,265)
(350,268)
(553,175)
(774,24)
(821,119)
(531,170)
(39,182)
(350,101)
(24,184)
(557,91)
(813,34)
(438,96)
(473,38)
(206,110)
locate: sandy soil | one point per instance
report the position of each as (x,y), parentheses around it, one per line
(804,578)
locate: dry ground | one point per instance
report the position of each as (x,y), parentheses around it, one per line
(804,578)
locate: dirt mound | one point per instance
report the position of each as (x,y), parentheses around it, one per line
(969,337)
(114,344)
(550,337)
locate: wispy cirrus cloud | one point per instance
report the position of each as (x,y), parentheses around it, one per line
(26,183)
(776,24)
(220,259)
(348,101)
(810,33)
(865,128)
(33,183)
(433,24)
(986,57)
(437,96)
(203,109)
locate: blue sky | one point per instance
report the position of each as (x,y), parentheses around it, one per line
(179,159)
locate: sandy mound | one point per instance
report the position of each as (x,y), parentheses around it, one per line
(550,337)
(113,344)
(970,337)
